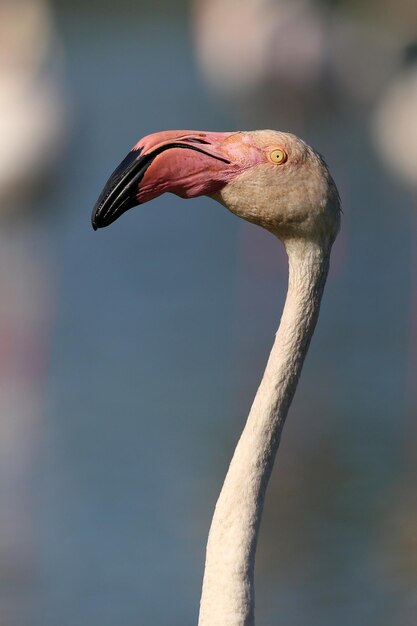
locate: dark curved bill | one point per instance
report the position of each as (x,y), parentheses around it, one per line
(119,193)
(121,190)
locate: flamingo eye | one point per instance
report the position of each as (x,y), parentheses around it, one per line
(278,156)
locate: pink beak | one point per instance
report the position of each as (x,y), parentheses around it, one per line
(186,163)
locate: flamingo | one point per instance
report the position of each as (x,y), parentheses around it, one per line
(275,180)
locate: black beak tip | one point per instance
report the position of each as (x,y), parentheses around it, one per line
(95,217)
(119,194)
(103,217)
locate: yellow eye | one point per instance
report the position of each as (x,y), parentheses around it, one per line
(278,156)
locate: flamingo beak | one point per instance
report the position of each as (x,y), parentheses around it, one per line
(186,163)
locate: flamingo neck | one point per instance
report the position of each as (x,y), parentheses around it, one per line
(228,586)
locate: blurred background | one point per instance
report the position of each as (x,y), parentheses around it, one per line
(129,357)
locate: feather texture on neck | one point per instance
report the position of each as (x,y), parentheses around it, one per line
(228,587)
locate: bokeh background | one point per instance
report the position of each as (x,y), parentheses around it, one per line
(129,357)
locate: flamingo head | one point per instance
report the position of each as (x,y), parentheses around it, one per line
(267,177)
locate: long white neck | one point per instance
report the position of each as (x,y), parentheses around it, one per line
(228,586)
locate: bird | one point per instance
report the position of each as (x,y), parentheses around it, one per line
(32,105)
(393,126)
(277,181)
